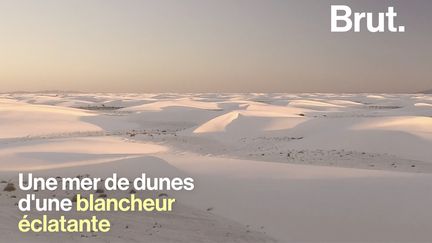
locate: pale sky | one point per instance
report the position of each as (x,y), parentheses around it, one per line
(209,46)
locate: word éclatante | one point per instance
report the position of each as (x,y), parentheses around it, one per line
(344,20)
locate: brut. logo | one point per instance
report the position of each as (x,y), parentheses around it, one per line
(344,20)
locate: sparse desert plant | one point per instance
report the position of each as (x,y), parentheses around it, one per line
(132,134)
(74,198)
(10,187)
(100,190)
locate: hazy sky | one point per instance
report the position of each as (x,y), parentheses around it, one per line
(209,46)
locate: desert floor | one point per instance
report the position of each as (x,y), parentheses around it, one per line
(268,167)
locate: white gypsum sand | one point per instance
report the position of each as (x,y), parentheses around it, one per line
(290,167)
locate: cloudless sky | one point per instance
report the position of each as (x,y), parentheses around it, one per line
(209,46)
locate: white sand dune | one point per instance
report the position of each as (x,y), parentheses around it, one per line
(313,104)
(415,125)
(300,203)
(427,105)
(184,102)
(218,124)
(247,123)
(254,118)
(64,153)
(20,120)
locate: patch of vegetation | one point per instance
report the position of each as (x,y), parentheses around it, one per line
(10,187)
